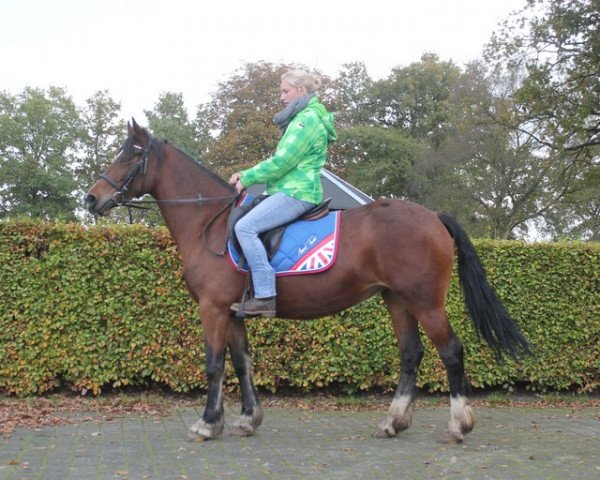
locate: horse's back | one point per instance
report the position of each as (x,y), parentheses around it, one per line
(399,221)
(397,238)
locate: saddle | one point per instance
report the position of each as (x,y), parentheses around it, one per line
(272,238)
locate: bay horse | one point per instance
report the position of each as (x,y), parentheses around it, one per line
(396,248)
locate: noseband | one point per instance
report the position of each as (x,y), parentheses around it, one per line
(140,167)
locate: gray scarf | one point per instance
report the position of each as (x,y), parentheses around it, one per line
(282,119)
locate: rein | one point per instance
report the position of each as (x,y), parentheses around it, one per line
(178,201)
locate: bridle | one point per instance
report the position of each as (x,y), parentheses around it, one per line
(140,167)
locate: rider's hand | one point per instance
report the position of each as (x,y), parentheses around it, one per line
(239,187)
(234,179)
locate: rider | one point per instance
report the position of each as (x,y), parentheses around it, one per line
(292,176)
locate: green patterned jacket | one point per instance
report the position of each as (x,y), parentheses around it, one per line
(295,167)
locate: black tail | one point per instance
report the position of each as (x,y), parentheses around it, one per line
(487,312)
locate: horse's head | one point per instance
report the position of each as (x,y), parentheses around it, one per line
(127,176)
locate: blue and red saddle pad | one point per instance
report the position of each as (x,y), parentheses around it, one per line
(308,246)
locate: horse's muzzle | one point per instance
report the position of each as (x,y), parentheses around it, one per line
(91,202)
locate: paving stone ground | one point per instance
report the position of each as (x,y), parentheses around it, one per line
(507,443)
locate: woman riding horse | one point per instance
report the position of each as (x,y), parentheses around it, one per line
(293,178)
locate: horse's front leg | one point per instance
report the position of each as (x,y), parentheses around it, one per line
(252,413)
(215,338)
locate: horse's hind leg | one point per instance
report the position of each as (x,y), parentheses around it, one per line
(462,420)
(252,413)
(400,414)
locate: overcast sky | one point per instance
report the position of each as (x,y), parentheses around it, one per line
(137,49)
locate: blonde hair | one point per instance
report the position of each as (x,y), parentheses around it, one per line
(300,78)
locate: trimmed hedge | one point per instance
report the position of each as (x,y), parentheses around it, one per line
(100,307)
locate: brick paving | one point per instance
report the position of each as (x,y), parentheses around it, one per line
(507,443)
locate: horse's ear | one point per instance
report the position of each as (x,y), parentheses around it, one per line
(138,131)
(129,129)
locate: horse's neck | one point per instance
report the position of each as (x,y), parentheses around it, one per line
(182,179)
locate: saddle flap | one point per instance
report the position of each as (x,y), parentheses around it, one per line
(272,240)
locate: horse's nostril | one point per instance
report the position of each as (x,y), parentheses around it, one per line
(90,200)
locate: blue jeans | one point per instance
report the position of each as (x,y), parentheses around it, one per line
(272,212)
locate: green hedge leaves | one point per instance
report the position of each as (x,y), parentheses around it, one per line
(99,307)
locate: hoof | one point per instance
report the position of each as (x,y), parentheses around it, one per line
(246,425)
(468,424)
(241,431)
(462,418)
(194,437)
(201,431)
(384,432)
(451,438)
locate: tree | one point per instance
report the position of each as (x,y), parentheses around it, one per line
(579,216)
(353,95)
(169,120)
(40,135)
(378,159)
(390,121)
(557,44)
(415,98)
(104,134)
(352,108)
(240,115)
(487,171)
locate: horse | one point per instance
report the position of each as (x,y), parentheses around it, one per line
(394,248)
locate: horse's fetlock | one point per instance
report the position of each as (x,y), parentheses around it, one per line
(410,360)
(462,418)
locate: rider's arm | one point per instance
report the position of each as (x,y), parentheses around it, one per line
(292,147)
